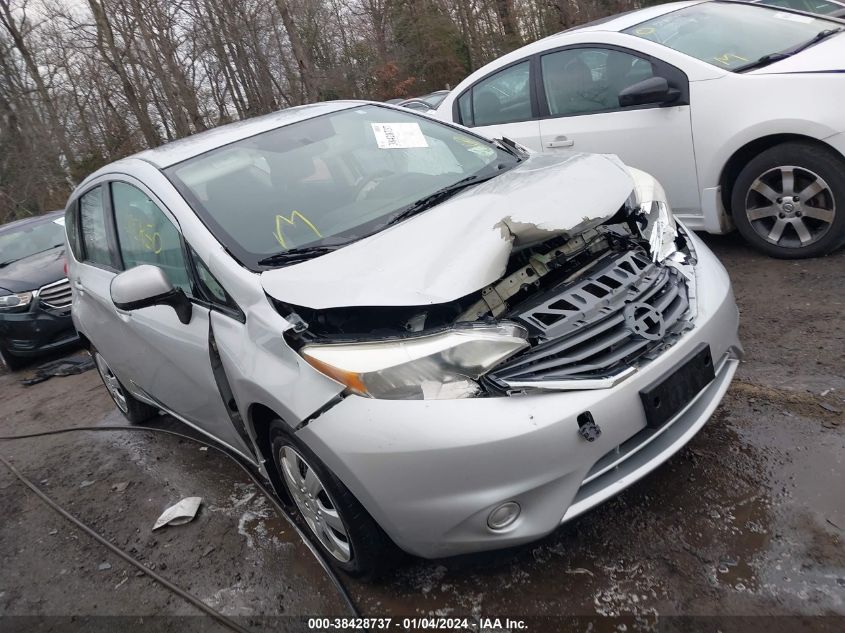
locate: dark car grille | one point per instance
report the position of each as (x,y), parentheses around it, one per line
(55,295)
(626,308)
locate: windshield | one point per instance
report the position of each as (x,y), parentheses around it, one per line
(328,180)
(730,35)
(30,239)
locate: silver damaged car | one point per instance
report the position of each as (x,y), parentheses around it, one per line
(423,338)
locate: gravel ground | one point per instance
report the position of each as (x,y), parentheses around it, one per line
(747,520)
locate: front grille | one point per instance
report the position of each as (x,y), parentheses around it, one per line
(55,295)
(626,308)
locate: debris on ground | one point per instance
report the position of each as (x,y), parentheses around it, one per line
(120,487)
(104,566)
(69,366)
(180,513)
(87,482)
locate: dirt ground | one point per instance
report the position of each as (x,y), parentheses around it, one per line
(747,520)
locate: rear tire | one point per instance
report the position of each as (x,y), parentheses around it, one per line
(132,409)
(343,530)
(789,202)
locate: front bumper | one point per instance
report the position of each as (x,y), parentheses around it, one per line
(37,331)
(430,472)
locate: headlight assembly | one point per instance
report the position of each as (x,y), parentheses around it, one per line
(14,302)
(441,365)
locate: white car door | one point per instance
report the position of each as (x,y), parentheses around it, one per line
(579,110)
(501,105)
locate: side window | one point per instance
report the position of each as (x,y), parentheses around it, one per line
(146,236)
(504,97)
(584,80)
(92,218)
(211,288)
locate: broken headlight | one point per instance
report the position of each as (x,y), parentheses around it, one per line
(441,365)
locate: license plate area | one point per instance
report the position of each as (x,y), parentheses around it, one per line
(666,397)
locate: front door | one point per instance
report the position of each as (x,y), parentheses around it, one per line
(580,111)
(149,349)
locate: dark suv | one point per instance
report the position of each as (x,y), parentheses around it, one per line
(34,289)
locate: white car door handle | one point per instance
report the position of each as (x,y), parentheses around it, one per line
(560,141)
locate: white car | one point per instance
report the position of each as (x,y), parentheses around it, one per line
(736,108)
(835,8)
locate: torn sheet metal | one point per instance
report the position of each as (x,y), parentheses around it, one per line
(463,244)
(180,513)
(655,219)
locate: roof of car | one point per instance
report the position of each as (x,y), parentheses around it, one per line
(628,19)
(37,219)
(614,23)
(188,147)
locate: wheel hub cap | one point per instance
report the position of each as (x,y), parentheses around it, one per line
(113,385)
(316,505)
(790,206)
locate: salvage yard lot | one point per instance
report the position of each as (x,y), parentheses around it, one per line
(748,519)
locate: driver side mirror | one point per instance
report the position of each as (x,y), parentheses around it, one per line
(654,90)
(145,286)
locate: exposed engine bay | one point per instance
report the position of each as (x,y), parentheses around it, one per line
(592,304)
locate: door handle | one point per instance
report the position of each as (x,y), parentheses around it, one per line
(560,141)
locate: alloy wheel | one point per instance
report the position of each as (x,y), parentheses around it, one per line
(790,206)
(112,383)
(316,505)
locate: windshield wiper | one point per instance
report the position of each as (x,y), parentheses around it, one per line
(771,58)
(438,196)
(294,255)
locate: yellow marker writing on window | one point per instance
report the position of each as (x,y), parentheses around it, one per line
(727,58)
(292,220)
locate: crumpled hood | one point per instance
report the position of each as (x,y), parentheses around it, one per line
(463,244)
(826,56)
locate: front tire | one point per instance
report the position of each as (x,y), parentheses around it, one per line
(789,202)
(132,409)
(342,528)
(10,362)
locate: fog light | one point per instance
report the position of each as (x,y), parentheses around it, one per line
(503,515)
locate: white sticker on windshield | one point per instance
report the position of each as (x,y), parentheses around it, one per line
(794,17)
(59,221)
(398,135)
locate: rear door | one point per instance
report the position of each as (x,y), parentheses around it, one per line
(578,92)
(503,104)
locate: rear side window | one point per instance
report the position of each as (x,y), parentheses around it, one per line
(504,97)
(92,221)
(146,235)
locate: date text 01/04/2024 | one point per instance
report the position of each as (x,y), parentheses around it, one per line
(491,625)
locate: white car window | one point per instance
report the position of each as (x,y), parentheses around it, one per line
(584,80)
